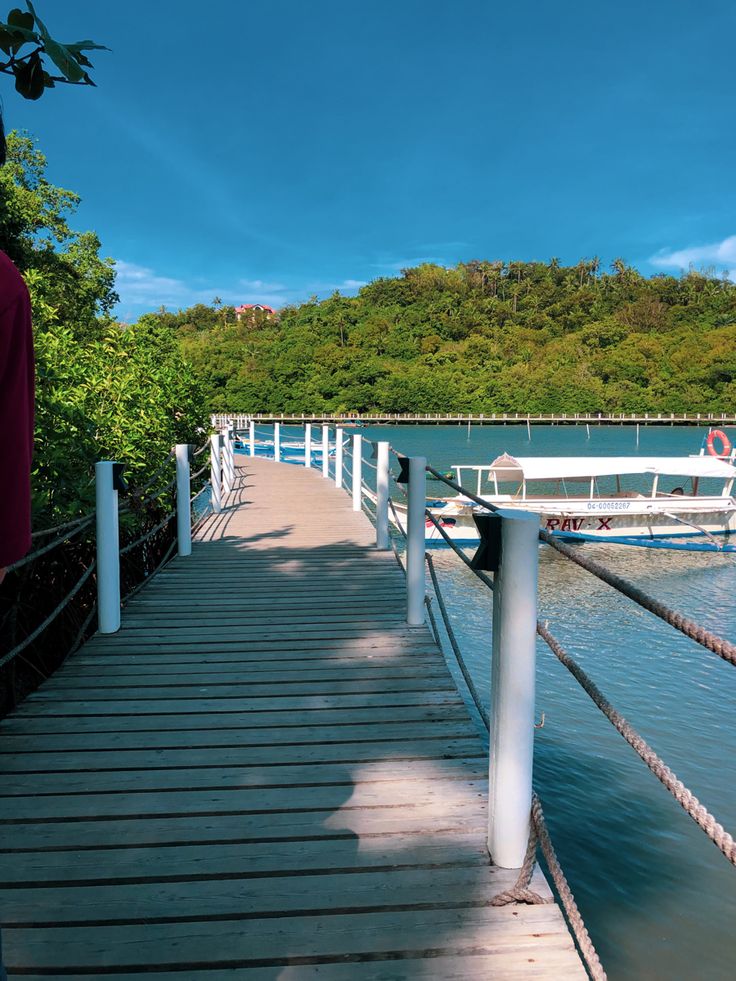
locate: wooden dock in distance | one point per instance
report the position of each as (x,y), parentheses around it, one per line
(265,774)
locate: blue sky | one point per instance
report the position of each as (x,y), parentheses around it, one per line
(273,150)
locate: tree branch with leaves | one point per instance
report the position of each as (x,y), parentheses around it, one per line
(30,48)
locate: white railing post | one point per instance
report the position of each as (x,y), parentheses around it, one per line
(512,690)
(325,451)
(382,539)
(338,457)
(307,444)
(108,548)
(357,472)
(225,466)
(215,473)
(183,502)
(415,541)
(277,442)
(231,459)
(252,437)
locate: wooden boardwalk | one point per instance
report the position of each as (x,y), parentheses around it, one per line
(265,774)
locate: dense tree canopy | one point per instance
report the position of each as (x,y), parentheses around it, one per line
(103,390)
(483,337)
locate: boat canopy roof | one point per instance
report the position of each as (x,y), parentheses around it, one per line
(507,467)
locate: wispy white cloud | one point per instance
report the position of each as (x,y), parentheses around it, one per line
(345,286)
(140,287)
(396,265)
(720,254)
(259,284)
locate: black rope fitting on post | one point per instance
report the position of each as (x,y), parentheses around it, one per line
(403,477)
(488,556)
(119,482)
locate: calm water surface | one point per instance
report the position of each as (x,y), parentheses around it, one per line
(658,898)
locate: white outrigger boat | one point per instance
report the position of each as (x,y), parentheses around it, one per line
(629,500)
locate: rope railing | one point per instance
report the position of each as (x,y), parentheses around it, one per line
(149,534)
(146,499)
(443,478)
(200,492)
(137,491)
(67,536)
(706,638)
(684,797)
(458,551)
(62,527)
(52,616)
(715,831)
(455,646)
(139,587)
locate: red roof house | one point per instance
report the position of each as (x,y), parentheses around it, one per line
(250,308)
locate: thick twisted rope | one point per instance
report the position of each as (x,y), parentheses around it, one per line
(684,797)
(62,527)
(52,616)
(482,710)
(155,572)
(520,891)
(572,913)
(200,492)
(432,621)
(462,490)
(679,621)
(155,475)
(149,534)
(396,518)
(67,536)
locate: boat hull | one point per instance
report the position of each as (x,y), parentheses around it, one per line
(597,523)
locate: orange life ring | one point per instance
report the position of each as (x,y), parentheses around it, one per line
(725,449)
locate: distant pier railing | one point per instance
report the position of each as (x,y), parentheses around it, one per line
(241,420)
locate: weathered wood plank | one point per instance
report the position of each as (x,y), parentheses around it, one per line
(412,817)
(234,799)
(443,731)
(265,942)
(273,858)
(376,715)
(223,898)
(415,772)
(273,688)
(84,707)
(246,756)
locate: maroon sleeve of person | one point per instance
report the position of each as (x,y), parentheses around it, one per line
(16,414)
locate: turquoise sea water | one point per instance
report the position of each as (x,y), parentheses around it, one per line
(658,898)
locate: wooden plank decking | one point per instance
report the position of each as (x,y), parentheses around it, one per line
(265,774)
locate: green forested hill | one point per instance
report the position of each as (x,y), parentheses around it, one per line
(485,337)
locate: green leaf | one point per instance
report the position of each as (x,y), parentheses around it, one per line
(82,59)
(19,18)
(7,41)
(75,46)
(29,80)
(63,59)
(20,34)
